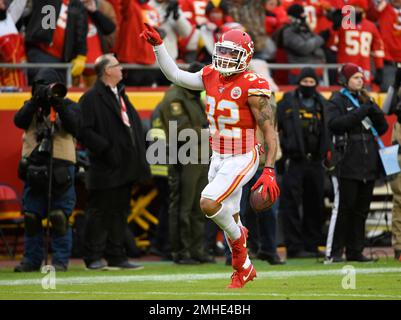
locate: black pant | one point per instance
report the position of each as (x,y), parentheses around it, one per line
(302,186)
(107,219)
(160,239)
(353,209)
(186,220)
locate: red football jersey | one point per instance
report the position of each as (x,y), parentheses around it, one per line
(231,122)
(389,22)
(357,43)
(194,11)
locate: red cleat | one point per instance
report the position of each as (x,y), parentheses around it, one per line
(239,278)
(239,251)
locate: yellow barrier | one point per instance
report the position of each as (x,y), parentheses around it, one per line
(143,101)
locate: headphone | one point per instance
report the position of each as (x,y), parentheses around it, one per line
(342,79)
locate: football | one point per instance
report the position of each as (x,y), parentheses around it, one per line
(257,202)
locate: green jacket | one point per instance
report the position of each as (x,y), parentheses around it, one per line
(186,108)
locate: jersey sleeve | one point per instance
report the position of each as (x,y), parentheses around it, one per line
(206,74)
(259,87)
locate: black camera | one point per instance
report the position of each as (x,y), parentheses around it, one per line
(50,91)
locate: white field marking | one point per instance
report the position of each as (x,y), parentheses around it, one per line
(192,277)
(230,294)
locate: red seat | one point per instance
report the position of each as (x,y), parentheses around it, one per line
(10,214)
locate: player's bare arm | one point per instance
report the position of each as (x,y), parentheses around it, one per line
(265,117)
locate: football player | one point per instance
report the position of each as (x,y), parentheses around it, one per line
(237,101)
(359,41)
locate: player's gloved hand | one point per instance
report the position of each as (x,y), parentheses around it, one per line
(268,180)
(151,35)
(78,65)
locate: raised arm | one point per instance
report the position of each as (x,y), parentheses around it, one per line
(16,9)
(192,81)
(265,117)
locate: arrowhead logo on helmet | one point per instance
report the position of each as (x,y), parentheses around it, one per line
(233,52)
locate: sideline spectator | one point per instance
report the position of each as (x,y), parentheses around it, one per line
(112,131)
(304,141)
(351,115)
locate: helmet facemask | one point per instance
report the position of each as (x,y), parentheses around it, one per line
(229,58)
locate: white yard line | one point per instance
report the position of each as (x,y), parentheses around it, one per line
(191,276)
(229,294)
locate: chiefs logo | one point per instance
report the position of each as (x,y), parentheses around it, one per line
(236,92)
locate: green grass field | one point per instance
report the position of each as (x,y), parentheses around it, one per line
(299,279)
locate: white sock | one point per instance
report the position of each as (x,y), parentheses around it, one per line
(239,221)
(224,219)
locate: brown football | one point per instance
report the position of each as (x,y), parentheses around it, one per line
(257,202)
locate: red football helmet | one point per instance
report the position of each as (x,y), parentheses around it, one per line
(233,52)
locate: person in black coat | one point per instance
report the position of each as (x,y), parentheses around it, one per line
(112,132)
(351,114)
(303,140)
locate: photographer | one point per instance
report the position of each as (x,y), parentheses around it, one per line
(35,118)
(351,116)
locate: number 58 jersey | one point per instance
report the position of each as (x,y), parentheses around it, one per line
(231,122)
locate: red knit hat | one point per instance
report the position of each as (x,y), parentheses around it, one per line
(347,71)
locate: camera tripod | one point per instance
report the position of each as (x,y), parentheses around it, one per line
(52,119)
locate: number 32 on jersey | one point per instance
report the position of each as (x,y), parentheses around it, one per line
(222,117)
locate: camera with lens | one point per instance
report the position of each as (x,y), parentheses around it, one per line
(52,90)
(49,94)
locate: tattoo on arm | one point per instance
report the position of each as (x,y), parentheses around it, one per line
(266,119)
(266,112)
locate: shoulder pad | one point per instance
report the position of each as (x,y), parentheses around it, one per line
(207,70)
